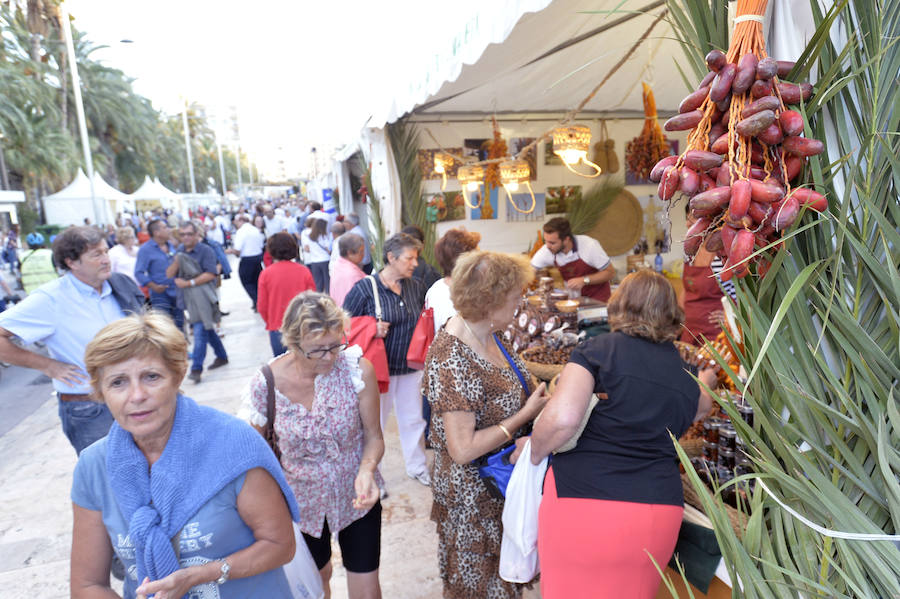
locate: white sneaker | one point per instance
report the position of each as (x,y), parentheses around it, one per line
(423,477)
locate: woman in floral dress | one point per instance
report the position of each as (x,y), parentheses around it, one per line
(478,405)
(329,434)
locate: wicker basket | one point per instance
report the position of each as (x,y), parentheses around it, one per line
(737,519)
(692,447)
(545,372)
(551,387)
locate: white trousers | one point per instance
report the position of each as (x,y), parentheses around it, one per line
(405,394)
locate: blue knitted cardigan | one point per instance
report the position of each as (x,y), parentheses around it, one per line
(206,450)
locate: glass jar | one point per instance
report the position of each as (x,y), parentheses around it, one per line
(728,438)
(711,451)
(725,459)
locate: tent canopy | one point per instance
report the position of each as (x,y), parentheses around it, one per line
(71,204)
(152,191)
(552,59)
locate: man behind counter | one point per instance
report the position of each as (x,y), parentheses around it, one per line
(580,259)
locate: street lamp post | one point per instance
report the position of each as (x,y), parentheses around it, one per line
(99,213)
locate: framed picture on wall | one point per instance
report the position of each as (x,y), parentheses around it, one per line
(426,162)
(551,159)
(560,198)
(523,201)
(448,205)
(485,211)
(476,148)
(517,144)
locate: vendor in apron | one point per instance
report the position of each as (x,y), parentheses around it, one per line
(703,292)
(584,265)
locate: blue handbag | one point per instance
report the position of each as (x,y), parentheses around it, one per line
(494,468)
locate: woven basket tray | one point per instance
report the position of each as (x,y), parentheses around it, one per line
(692,447)
(545,372)
(551,386)
(738,520)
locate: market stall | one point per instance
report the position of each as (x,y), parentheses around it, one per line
(72,204)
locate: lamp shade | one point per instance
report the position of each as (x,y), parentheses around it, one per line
(571,143)
(513,172)
(470,177)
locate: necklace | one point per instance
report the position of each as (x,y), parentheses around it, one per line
(474,336)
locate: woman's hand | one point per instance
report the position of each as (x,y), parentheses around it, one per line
(367,491)
(536,402)
(381,328)
(520,445)
(173,586)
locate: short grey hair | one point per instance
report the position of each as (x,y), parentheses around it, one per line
(349,243)
(353,218)
(193,224)
(338,227)
(395,245)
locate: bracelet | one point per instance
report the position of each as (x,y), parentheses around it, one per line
(505,431)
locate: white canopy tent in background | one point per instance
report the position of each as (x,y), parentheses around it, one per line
(152,191)
(539,59)
(72,204)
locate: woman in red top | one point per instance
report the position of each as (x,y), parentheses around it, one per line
(279,284)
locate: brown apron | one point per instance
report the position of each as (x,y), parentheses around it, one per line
(578,269)
(702,296)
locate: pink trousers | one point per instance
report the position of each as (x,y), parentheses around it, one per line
(595,548)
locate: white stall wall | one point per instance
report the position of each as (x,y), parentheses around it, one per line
(501,235)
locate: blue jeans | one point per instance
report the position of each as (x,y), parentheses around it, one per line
(275,342)
(202,337)
(84,422)
(163,302)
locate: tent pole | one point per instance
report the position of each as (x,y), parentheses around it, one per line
(99,213)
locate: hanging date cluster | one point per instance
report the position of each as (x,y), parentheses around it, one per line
(745,151)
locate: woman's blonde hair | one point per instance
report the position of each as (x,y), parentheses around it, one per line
(151,334)
(312,314)
(481,281)
(645,306)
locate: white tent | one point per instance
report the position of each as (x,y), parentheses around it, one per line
(153,194)
(72,204)
(529,65)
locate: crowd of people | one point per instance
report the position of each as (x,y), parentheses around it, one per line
(117,323)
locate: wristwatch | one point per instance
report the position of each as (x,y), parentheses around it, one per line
(194,283)
(587,280)
(225,569)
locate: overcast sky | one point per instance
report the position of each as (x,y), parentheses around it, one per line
(301,72)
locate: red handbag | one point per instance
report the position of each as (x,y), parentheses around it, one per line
(421,340)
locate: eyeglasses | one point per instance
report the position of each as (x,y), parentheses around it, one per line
(318,354)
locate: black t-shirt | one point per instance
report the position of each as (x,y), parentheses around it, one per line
(625,452)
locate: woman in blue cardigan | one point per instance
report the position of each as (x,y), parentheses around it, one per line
(190,499)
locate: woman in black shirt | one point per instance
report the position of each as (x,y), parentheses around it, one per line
(617,495)
(400,299)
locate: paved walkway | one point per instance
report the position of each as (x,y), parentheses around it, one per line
(36,463)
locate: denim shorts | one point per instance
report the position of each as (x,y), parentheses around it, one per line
(84,422)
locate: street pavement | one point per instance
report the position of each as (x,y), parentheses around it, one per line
(36,463)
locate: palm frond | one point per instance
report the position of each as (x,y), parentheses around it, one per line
(821,332)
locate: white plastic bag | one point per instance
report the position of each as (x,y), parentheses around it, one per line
(301,572)
(518,549)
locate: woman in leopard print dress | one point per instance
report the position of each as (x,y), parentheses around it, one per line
(478,405)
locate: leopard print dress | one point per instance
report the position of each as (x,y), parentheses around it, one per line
(468,518)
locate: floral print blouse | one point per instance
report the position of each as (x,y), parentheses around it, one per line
(320,449)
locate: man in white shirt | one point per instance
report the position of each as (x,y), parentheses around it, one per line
(353,220)
(580,259)
(274,223)
(249,243)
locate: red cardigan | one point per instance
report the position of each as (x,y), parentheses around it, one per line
(278,285)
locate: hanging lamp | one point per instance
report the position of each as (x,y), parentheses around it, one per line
(571,144)
(442,163)
(470,179)
(512,174)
